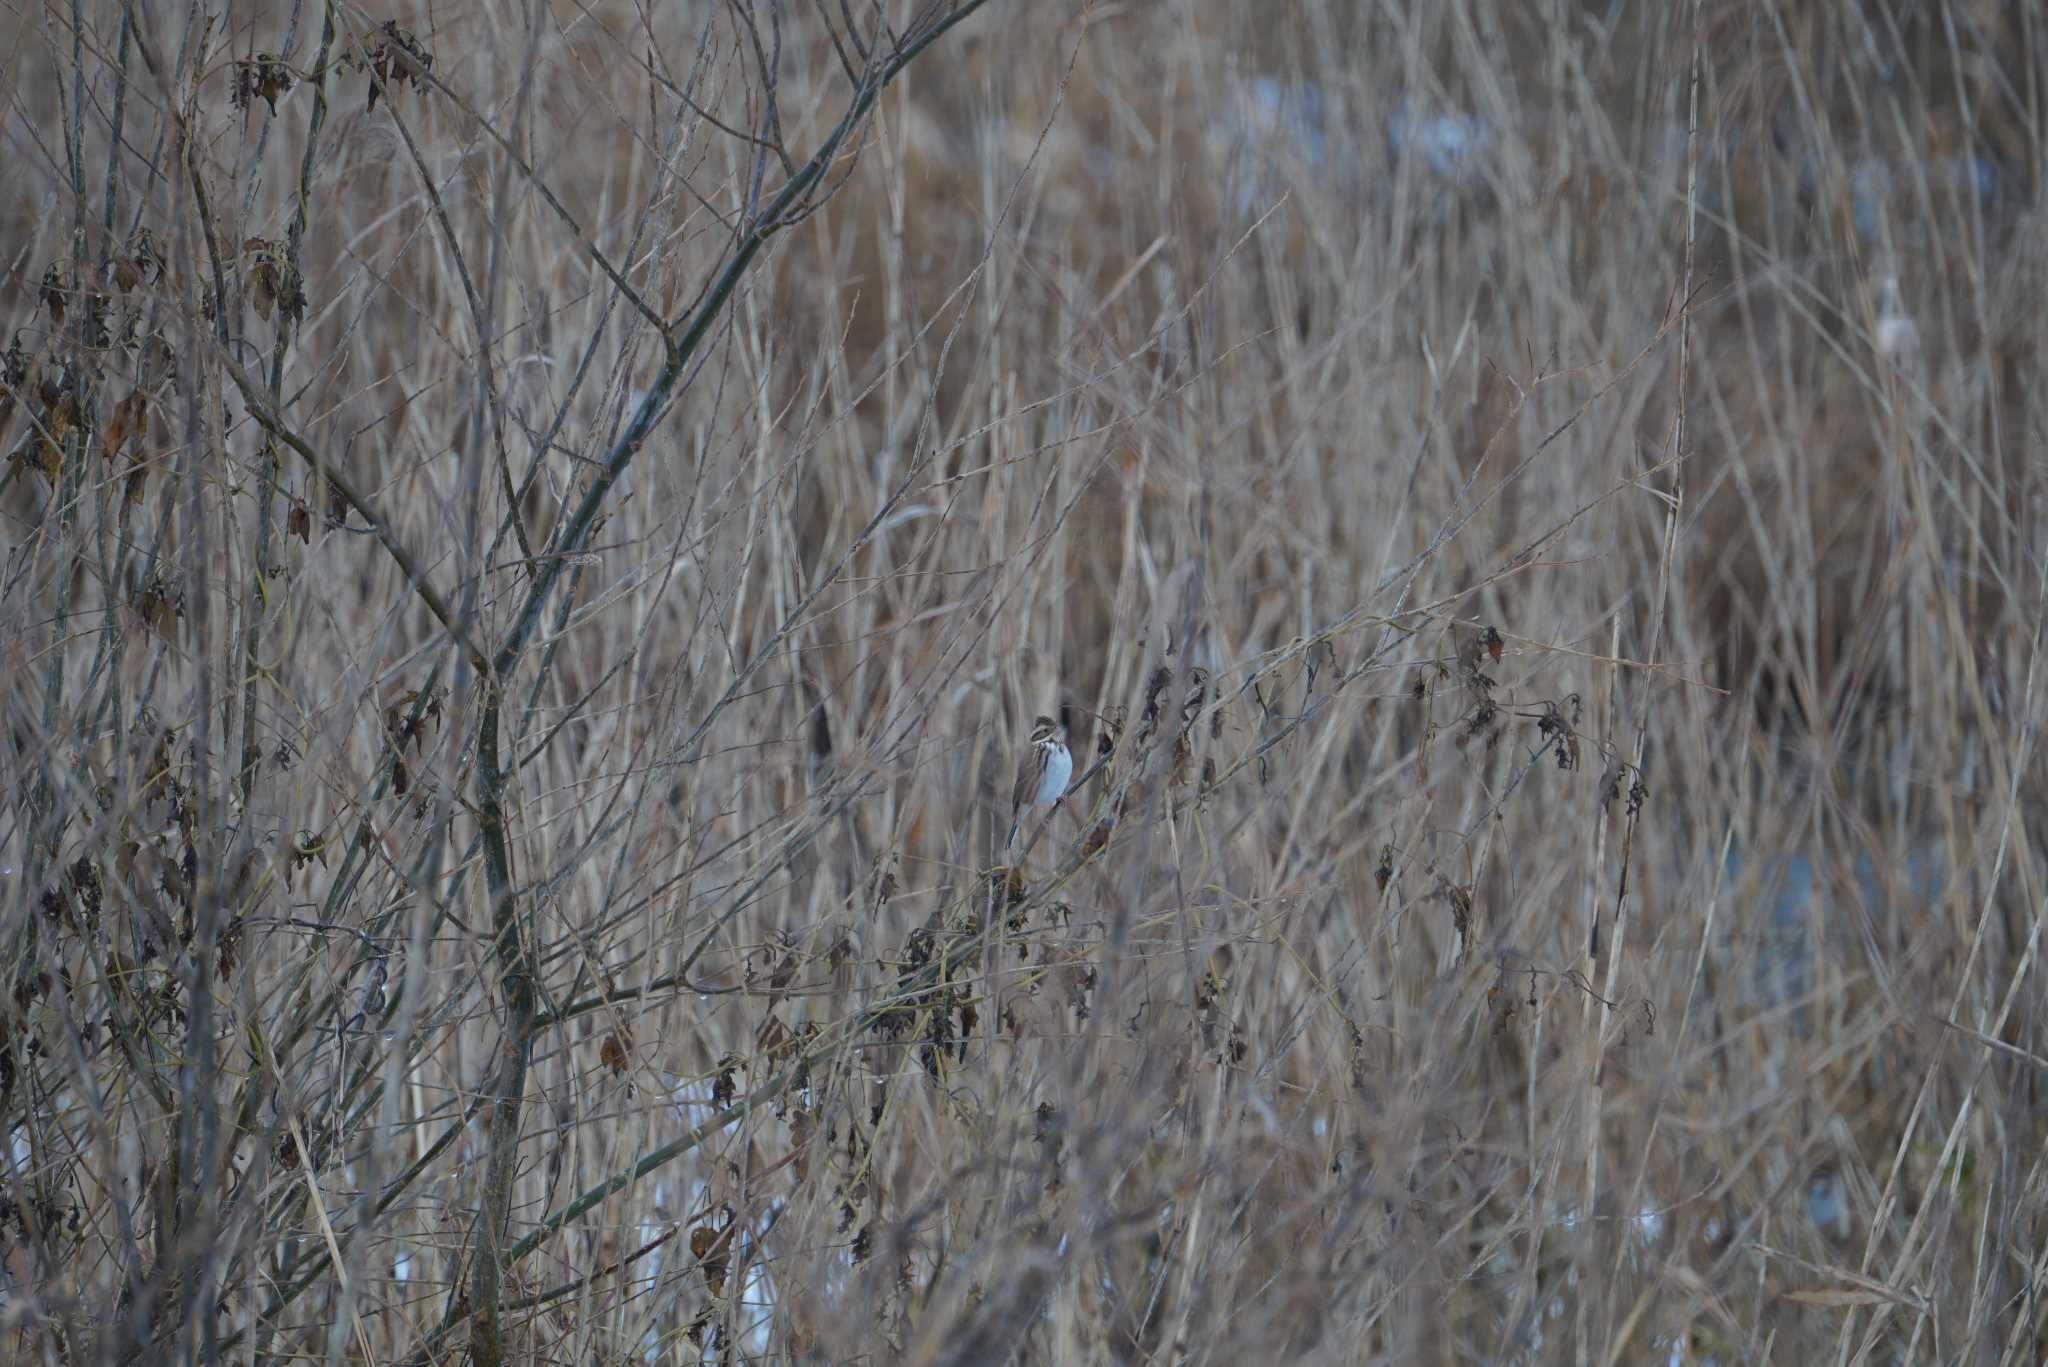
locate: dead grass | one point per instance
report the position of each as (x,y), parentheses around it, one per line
(1552,879)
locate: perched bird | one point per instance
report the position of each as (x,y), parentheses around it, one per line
(1042,774)
(1897,335)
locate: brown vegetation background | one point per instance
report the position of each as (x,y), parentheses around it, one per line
(534,533)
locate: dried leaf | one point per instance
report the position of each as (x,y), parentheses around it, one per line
(801,1131)
(724,1087)
(52,294)
(711,1248)
(127,421)
(144,256)
(275,286)
(262,77)
(1839,1300)
(160,602)
(394,57)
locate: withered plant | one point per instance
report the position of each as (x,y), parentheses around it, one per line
(534,534)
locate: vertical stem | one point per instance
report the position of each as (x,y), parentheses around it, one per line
(266,496)
(1601,1010)
(114,127)
(507,1086)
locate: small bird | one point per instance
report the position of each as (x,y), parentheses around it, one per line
(1897,335)
(1041,776)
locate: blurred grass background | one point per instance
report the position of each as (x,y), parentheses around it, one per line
(1536,510)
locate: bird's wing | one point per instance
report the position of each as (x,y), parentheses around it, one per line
(1027,781)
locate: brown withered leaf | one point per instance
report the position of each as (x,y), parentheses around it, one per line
(400,724)
(159,603)
(1112,731)
(1500,1002)
(840,951)
(711,1247)
(773,1039)
(1459,898)
(125,422)
(613,1052)
(275,286)
(784,971)
(394,57)
(14,373)
(263,281)
(144,257)
(42,448)
(228,948)
(41,455)
(801,1130)
(299,522)
(52,293)
(263,77)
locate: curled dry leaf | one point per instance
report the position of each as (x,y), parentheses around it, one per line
(1112,732)
(126,422)
(275,286)
(263,77)
(52,293)
(159,603)
(711,1248)
(394,57)
(801,1131)
(725,1086)
(14,370)
(140,262)
(613,1053)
